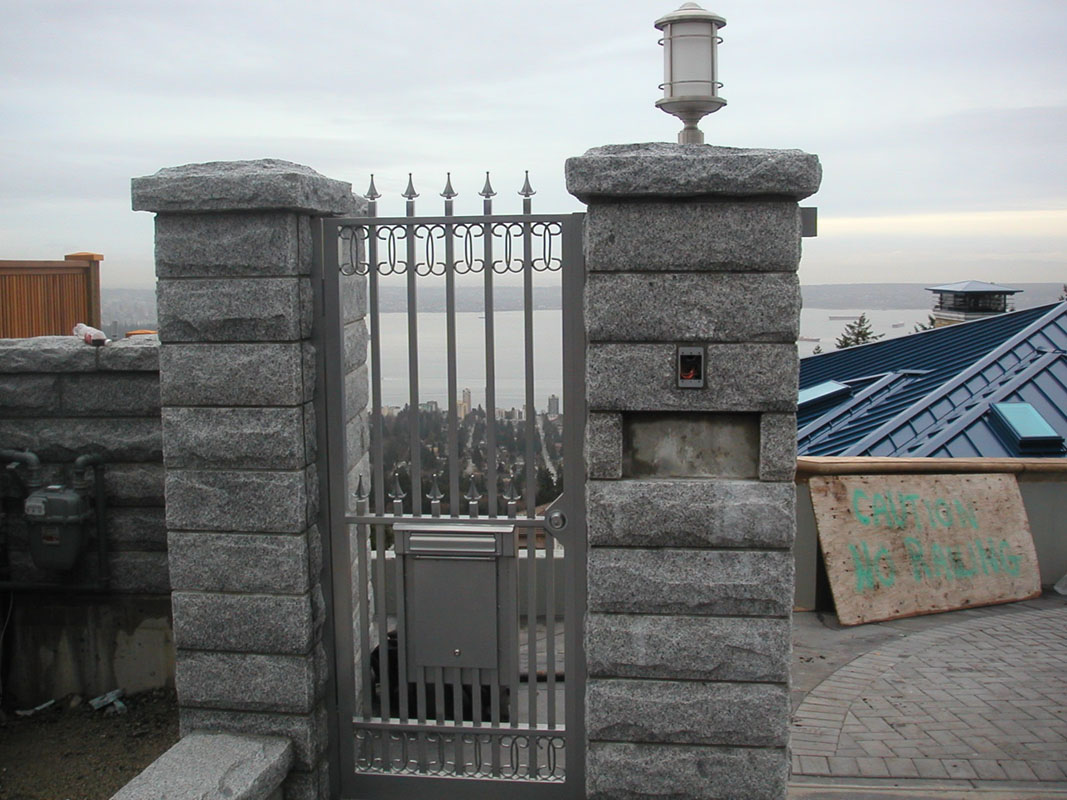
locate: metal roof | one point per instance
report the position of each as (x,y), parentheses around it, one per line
(964,287)
(929,393)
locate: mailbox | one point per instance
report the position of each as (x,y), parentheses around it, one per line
(459,594)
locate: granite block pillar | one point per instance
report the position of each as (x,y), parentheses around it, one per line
(238,376)
(690,492)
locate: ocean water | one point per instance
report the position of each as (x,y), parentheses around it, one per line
(816,323)
(548,351)
(509,361)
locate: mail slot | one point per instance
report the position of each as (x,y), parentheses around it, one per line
(459,594)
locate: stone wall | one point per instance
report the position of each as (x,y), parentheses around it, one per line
(690,494)
(61,399)
(242,446)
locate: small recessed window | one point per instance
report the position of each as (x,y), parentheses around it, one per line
(820,392)
(1023,426)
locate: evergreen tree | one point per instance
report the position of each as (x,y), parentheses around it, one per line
(924,326)
(857,332)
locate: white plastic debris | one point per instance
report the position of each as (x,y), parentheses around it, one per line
(29,712)
(90,335)
(106,699)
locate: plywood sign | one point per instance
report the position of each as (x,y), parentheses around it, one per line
(903,545)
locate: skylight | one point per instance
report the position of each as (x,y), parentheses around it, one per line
(1023,426)
(828,390)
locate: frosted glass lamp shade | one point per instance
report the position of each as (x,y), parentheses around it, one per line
(690,87)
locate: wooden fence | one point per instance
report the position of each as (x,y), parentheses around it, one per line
(48,298)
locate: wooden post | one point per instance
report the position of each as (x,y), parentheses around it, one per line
(93,284)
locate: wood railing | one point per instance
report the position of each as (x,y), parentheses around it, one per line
(48,298)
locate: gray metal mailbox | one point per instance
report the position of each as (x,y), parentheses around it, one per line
(459,594)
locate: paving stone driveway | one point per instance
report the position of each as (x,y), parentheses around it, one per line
(974,701)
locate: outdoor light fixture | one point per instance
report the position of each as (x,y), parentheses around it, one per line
(690,91)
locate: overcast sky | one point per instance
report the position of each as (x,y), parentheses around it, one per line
(941,125)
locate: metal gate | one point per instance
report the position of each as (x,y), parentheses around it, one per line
(458,552)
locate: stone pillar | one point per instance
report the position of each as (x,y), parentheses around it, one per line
(237,380)
(690,493)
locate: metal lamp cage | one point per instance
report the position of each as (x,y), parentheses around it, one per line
(690,67)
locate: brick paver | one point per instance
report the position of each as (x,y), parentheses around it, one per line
(980,700)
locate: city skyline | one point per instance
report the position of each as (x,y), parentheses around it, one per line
(465,406)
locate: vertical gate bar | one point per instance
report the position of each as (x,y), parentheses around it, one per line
(401,638)
(477,676)
(490,356)
(528,342)
(377,432)
(420,711)
(377,440)
(363,582)
(550,627)
(494,720)
(439,694)
(515,645)
(415,458)
(574,409)
(450,337)
(380,603)
(531,621)
(457,718)
(329,342)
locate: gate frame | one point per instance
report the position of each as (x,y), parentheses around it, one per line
(333,489)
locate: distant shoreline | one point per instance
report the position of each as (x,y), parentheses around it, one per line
(134,303)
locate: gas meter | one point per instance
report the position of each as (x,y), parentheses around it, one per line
(56,519)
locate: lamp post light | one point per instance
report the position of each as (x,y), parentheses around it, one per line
(690,90)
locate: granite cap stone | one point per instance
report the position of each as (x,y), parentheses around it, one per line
(214,766)
(264,184)
(662,169)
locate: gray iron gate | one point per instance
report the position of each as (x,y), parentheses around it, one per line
(459,571)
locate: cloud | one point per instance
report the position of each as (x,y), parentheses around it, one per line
(973,225)
(957,110)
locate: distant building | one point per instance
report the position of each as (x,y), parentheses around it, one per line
(968,300)
(995,387)
(430,406)
(463,406)
(553,405)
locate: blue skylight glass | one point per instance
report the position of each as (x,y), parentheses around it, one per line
(1026,428)
(828,390)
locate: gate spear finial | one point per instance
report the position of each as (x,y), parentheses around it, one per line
(434,496)
(398,492)
(527,190)
(410,193)
(360,493)
(397,495)
(372,193)
(449,192)
(511,496)
(435,492)
(487,190)
(473,496)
